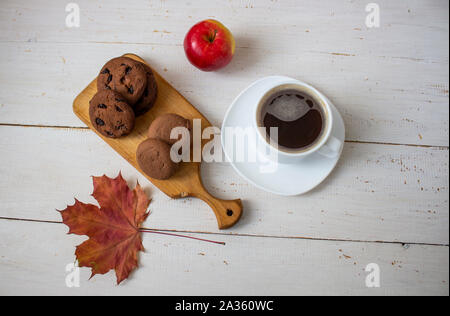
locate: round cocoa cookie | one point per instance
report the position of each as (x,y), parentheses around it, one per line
(110,114)
(125,76)
(162,126)
(149,96)
(153,157)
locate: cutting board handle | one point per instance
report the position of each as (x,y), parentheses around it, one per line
(228,212)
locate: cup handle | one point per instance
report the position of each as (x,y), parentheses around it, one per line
(332,148)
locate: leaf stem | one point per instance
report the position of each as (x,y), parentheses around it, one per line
(145,230)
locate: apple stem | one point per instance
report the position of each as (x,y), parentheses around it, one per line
(151,231)
(212,37)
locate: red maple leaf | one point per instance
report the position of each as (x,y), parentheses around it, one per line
(113,229)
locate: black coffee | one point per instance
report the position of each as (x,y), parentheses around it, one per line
(299,119)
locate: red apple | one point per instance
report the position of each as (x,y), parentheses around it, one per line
(209,45)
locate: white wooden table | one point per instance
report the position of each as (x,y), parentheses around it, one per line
(386,203)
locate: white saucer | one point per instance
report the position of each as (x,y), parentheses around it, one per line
(289,179)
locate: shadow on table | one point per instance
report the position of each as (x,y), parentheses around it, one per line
(244,58)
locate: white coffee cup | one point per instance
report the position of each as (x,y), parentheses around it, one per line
(326,144)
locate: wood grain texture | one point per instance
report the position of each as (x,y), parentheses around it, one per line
(411,29)
(376,193)
(186,182)
(173,266)
(391,83)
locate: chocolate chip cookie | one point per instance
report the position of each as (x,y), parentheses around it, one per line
(110,114)
(163,125)
(153,157)
(125,76)
(148,98)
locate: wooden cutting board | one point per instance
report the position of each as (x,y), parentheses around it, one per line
(187,181)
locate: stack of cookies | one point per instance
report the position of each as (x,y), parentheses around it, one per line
(126,90)
(153,154)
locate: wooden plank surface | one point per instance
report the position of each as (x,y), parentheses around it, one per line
(387,201)
(377,192)
(245,266)
(391,83)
